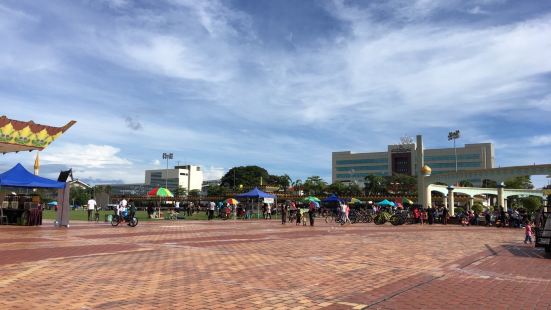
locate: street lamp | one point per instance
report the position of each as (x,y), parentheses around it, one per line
(167,156)
(453,135)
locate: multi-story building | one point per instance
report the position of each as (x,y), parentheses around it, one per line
(400,159)
(188,177)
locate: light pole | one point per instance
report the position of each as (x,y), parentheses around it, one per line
(167,156)
(453,135)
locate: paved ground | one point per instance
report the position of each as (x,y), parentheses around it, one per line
(264,265)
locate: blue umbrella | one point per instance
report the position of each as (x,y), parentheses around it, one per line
(386,203)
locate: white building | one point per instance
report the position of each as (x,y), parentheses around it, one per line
(401,159)
(188,176)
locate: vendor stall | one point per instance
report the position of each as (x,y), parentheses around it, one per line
(24,212)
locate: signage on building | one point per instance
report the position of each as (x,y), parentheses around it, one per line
(402,148)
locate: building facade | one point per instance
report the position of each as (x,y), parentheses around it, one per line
(401,159)
(189,177)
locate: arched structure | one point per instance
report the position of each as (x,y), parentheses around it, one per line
(425,181)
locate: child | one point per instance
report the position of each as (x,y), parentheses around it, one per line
(528,232)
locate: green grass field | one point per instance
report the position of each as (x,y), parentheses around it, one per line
(82,215)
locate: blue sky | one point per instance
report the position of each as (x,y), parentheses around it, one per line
(279,84)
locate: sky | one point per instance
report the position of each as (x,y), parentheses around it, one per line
(278,84)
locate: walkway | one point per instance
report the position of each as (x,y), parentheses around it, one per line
(264,265)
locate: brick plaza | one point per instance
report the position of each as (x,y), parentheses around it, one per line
(266,265)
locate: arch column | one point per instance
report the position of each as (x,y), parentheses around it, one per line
(451,201)
(471,203)
(500,196)
(445,201)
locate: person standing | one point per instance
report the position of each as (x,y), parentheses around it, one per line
(430,211)
(312,212)
(528,232)
(284,208)
(131,211)
(268,211)
(445,213)
(92,204)
(212,205)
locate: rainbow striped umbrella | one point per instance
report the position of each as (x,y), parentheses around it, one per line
(160,192)
(232,201)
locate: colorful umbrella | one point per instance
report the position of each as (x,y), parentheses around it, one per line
(312,198)
(386,203)
(52,203)
(232,201)
(406,201)
(355,200)
(160,192)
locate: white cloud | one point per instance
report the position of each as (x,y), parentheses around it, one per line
(213,173)
(83,155)
(541,140)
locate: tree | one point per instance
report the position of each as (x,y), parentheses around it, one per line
(532,204)
(297,185)
(282,181)
(314,185)
(522,182)
(180,191)
(194,193)
(216,190)
(465,183)
(79,196)
(248,176)
(477,207)
(102,189)
(337,188)
(486,183)
(353,189)
(374,185)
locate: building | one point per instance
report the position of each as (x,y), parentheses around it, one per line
(188,177)
(401,159)
(79,184)
(206,184)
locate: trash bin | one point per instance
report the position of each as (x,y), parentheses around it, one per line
(108,218)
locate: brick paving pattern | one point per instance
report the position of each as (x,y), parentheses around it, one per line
(266,265)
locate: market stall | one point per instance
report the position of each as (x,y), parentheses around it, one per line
(25,212)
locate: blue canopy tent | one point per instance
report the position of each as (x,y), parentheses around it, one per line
(256,193)
(18,176)
(332,198)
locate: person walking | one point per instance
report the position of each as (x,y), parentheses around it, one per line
(92,204)
(299,215)
(445,214)
(212,206)
(528,232)
(268,211)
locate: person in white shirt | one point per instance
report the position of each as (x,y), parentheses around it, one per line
(122,206)
(91,207)
(212,206)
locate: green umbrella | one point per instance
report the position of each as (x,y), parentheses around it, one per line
(312,198)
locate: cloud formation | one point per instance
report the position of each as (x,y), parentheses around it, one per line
(279,84)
